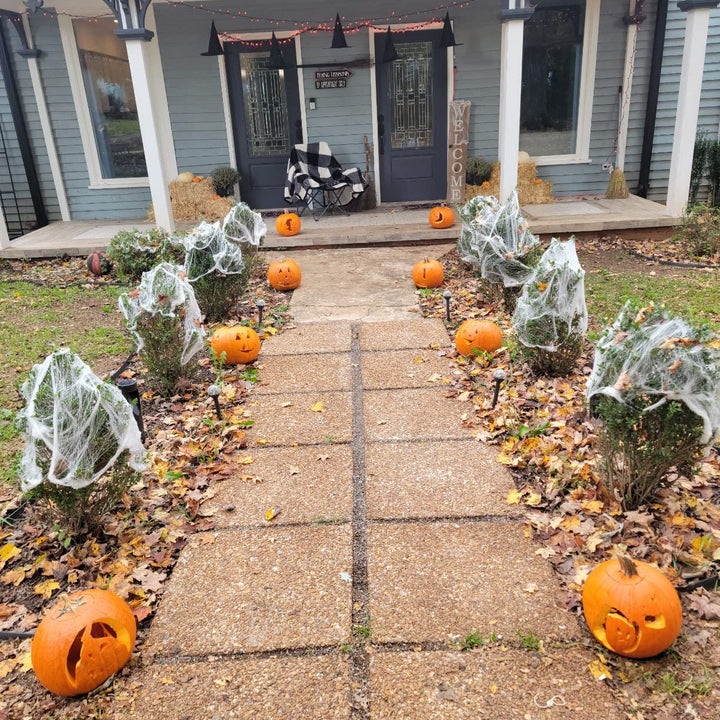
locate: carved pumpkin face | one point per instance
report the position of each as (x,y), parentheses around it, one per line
(428,273)
(475,335)
(284,275)
(288,224)
(240,344)
(442,217)
(82,641)
(631,608)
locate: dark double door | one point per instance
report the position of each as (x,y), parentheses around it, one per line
(412,117)
(266,119)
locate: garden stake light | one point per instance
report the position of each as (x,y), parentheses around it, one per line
(499,375)
(129,389)
(447,295)
(260,304)
(214,392)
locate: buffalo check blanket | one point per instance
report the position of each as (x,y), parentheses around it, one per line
(313,167)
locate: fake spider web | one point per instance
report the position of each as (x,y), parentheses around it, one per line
(208,250)
(495,238)
(75,426)
(165,290)
(552,305)
(244,226)
(650,354)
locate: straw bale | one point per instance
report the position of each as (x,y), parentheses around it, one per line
(530,189)
(196,201)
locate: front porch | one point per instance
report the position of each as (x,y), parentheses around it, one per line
(385,225)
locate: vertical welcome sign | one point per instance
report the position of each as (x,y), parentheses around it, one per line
(458,131)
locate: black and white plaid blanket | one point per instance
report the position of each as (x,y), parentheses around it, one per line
(313,166)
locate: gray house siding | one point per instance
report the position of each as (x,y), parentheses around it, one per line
(85,204)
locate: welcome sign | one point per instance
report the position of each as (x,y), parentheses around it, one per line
(457,154)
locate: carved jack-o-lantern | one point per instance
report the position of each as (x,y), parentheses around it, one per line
(631,608)
(239,343)
(441,217)
(284,275)
(82,641)
(428,273)
(475,335)
(288,224)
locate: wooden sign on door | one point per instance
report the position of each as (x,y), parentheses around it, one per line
(458,131)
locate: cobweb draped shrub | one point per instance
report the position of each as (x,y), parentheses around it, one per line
(655,385)
(134,252)
(82,444)
(496,240)
(216,269)
(244,226)
(551,317)
(165,321)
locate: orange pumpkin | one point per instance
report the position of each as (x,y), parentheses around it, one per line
(631,608)
(474,335)
(288,224)
(83,640)
(428,273)
(240,344)
(442,217)
(284,274)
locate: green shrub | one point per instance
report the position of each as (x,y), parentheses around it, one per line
(655,386)
(477,171)
(700,232)
(134,252)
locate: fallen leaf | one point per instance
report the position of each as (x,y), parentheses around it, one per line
(273,512)
(318,407)
(246,460)
(46,588)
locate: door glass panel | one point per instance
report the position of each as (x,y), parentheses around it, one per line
(265,105)
(411,95)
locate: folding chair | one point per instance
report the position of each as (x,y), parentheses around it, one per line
(315,179)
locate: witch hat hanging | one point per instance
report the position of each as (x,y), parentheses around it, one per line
(389,52)
(338,40)
(276,61)
(214,46)
(448,36)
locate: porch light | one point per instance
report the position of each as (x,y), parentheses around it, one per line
(338,40)
(448,36)
(447,296)
(389,52)
(214,45)
(260,304)
(499,375)
(276,61)
(214,392)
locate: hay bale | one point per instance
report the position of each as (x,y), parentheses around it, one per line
(197,201)
(530,188)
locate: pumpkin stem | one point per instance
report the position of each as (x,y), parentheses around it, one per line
(628,567)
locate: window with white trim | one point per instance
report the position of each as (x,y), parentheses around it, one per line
(110,99)
(559,51)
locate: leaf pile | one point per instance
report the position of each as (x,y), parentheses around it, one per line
(545,436)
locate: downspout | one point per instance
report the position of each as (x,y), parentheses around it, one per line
(652,98)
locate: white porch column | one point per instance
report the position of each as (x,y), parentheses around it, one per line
(4,237)
(686,117)
(511,52)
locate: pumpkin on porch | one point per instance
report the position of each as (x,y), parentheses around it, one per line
(631,608)
(287,224)
(240,344)
(476,335)
(284,274)
(428,273)
(83,640)
(442,217)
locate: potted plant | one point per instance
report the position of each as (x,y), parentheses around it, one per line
(224,180)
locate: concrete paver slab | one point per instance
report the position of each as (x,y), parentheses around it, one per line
(439,581)
(261,589)
(410,414)
(435,479)
(288,419)
(354,313)
(311,484)
(405,369)
(394,335)
(244,689)
(304,373)
(312,337)
(488,684)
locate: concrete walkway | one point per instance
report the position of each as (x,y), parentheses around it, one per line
(392,545)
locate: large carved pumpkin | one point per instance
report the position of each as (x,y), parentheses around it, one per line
(475,335)
(284,274)
(240,344)
(428,273)
(82,641)
(287,224)
(442,217)
(631,608)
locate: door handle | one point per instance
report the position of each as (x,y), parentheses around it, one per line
(381,133)
(298,131)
